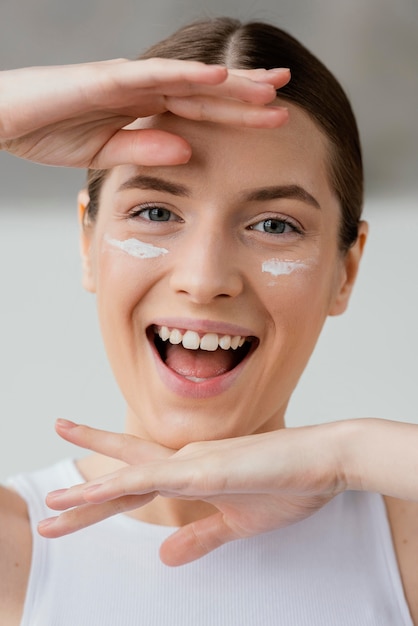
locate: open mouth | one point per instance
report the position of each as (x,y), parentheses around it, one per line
(199,357)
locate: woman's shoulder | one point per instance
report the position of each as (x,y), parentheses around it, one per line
(403,519)
(22,505)
(15,555)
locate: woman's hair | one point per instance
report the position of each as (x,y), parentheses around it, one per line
(312,87)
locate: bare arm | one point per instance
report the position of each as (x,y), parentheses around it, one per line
(15,556)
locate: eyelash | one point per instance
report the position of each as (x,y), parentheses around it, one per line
(138,212)
(282,220)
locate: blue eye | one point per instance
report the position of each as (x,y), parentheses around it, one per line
(274,226)
(156,214)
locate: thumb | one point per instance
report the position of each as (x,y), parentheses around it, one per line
(195,540)
(147,147)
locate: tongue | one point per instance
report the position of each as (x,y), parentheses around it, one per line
(199,363)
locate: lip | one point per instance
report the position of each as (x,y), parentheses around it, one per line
(204,326)
(211,387)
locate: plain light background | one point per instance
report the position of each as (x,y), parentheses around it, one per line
(51,358)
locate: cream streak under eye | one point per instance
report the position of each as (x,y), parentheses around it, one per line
(276,267)
(136,248)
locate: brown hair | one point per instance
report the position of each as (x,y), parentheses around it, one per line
(228,42)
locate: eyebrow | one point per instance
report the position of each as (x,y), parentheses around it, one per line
(156,184)
(277,192)
(263,194)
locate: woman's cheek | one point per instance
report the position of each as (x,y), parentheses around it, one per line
(127,269)
(293,287)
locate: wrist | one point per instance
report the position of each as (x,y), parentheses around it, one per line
(364,446)
(348,437)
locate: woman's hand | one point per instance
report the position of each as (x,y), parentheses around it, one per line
(257,483)
(75,116)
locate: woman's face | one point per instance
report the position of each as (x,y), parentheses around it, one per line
(237,246)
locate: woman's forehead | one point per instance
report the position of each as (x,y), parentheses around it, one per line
(295,153)
(300,125)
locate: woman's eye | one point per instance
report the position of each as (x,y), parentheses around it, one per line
(155,214)
(274,226)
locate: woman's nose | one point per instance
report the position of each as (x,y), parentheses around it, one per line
(206,269)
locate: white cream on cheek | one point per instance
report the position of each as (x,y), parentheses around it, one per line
(136,248)
(284,267)
(276,267)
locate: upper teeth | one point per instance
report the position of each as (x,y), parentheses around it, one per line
(193,341)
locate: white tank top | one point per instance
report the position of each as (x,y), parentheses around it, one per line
(336,568)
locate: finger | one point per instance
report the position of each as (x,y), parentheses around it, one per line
(86,515)
(255,86)
(149,73)
(122,446)
(196,540)
(147,147)
(278,77)
(131,480)
(160,74)
(63,499)
(168,478)
(230,112)
(128,86)
(152,477)
(104,489)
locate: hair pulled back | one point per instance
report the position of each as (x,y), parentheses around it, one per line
(228,42)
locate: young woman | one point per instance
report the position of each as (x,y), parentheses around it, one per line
(220,227)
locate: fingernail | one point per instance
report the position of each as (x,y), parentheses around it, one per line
(46,523)
(66,424)
(53,495)
(272,107)
(279,70)
(92,488)
(186,153)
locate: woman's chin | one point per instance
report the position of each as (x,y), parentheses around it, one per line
(176,438)
(179,426)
